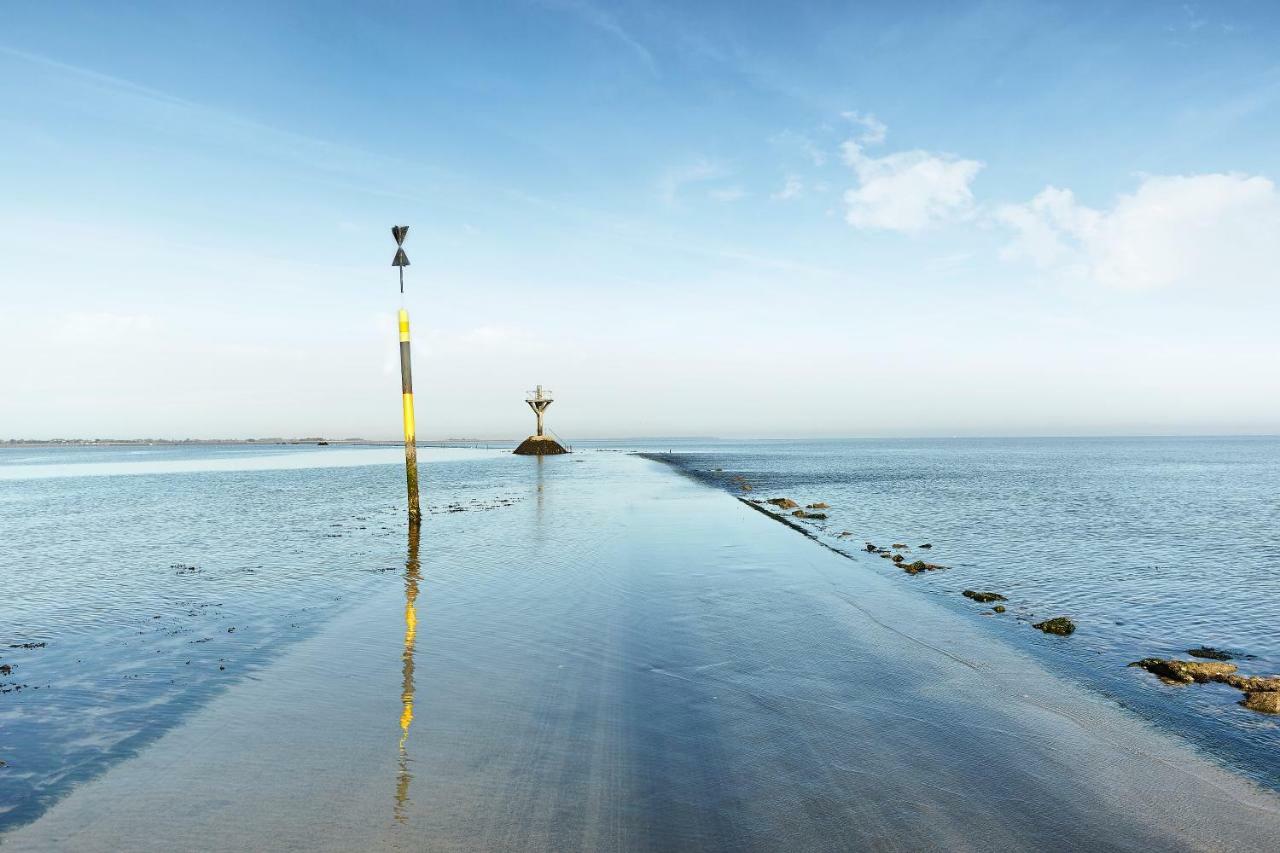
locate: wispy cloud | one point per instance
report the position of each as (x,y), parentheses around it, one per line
(874,131)
(734,193)
(606,23)
(673,182)
(799,143)
(792,188)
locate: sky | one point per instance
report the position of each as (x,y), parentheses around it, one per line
(693,219)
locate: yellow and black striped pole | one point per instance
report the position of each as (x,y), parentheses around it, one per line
(401,260)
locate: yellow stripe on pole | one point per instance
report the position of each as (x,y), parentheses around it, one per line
(404,325)
(409,432)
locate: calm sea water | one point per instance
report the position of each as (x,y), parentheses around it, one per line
(146,580)
(1152,546)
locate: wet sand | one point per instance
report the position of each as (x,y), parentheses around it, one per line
(628,660)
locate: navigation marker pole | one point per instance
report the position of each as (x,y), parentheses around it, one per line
(401,260)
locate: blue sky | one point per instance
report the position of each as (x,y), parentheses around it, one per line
(733,219)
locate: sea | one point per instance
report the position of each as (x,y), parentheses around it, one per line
(138,582)
(1151,546)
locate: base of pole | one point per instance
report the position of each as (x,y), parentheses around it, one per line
(540,445)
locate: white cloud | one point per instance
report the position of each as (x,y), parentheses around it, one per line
(1214,230)
(793,188)
(908,190)
(874,130)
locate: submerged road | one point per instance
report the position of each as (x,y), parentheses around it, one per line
(627,660)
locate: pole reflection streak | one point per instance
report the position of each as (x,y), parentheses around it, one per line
(412,575)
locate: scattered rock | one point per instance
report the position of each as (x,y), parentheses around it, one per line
(1253,683)
(898,558)
(1261,692)
(1209,652)
(818,505)
(1266,701)
(816,516)
(983,597)
(1060,625)
(844,534)
(898,545)
(870,547)
(925,545)
(783,503)
(919,566)
(1185,671)
(6,669)
(999,608)
(27,645)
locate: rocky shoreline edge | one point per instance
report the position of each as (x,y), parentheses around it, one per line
(1261,693)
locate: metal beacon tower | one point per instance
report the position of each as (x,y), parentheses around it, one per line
(540,444)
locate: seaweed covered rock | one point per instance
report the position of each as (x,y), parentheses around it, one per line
(540,445)
(1060,625)
(1209,652)
(870,548)
(818,505)
(1253,683)
(999,608)
(983,597)
(1261,692)
(1186,671)
(898,558)
(1265,701)
(783,503)
(918,566)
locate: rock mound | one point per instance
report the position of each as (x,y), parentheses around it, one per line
(1060,625)
(983,597)
(1186,671)
(540,445)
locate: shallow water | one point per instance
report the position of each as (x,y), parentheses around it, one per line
(628,660)
(136,576)
(155,577)
(1152,546)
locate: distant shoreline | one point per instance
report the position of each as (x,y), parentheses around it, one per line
(182,442)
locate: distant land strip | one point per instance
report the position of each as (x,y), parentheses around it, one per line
(166,442)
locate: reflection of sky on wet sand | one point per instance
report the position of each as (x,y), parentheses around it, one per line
(114,462)
(412,575)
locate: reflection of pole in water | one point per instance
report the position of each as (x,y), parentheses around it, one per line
(540,464)
(412,574)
